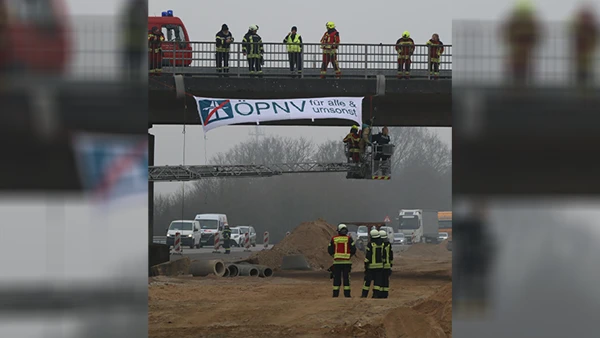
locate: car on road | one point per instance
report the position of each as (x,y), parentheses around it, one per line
(252,233)
(236,237)
(399,238)
(443,236)
(353,235)
(189,231)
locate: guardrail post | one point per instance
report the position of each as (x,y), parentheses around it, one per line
(429,62)
(366,60)
(239,60)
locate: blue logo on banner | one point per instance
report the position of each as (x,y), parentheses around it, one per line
(215,110)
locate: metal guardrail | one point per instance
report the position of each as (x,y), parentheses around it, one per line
(364,60)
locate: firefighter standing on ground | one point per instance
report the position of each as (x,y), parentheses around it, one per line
(329,44)
(368,280)
(436,49)
(341,248)
(155,40)
(585,40)
(227,239)
(388,257)
(405,47)
(374,262)
(293,43)
(252,47)
(522,38)
(224,39)
(352,140)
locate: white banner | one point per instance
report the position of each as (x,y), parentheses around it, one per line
(223,112)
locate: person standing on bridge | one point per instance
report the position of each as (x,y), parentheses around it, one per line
(522,37)
(155,40)
(374,261)
(329,44)
(405,47)
(293,43)
(436,48)
(388,257)
(341,248)
(227,239)
(252,47)
(224,39)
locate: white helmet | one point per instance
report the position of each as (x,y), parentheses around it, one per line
(342,226)
(383,233)
(253,27)
(374,233)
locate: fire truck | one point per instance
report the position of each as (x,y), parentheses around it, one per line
(177,51)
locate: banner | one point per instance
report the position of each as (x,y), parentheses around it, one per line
(216,113)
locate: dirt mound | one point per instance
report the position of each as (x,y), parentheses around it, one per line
(435,251)
(439,307)
(309,239)
(406,322)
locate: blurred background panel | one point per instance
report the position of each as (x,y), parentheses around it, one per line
(525,191)
(74,145)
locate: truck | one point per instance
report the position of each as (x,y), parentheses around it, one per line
(445,222)
(176,49)
(430,226)
(410,223)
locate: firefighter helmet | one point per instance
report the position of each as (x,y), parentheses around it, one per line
(374,233)
(330,25)
(342,226)
(406,34)
(355,127)
(253,28)
(382,233)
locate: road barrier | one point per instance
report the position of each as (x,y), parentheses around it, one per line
(247,242)
(217,242)
(177,249)
(266,239)
(205,268)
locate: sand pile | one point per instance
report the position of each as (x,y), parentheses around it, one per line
(439,306)
(309,239)
(433,251)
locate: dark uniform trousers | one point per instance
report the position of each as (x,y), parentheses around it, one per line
(341,271)
(378,282)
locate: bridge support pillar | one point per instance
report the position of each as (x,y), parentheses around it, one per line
(150,190)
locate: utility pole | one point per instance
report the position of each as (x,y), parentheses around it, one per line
(257,134)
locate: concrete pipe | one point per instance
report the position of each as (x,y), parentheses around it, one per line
(226,273)
(233,270)
(205,268)
(264,271)
(247,270)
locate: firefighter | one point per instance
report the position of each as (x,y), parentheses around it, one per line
(293,42)
(329,44)
(374,260)
(252,47)
(224,39)
(585,41)
(388,257)
(341,248)
(380,140)
(134,38)
(352,140)
(522,37)
(368,279)
(405,47)
(436,49)
(227,239)
(155,40)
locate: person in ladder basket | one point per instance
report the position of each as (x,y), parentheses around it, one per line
(365,137)
(405,46)
(381,139)
(341,248)
(374,261)
(352,140)
(155,40)
(388,257)
(329,44)
(224,39)
(227,239)
(368,280)
(252,47)
(436,48)
(293,43)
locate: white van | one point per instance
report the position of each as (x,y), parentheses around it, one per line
(210,224)
(189,230)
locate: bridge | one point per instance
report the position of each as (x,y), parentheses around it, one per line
(367,70)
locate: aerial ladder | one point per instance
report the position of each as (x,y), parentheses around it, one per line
(368,168)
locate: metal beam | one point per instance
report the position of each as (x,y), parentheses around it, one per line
(196,172)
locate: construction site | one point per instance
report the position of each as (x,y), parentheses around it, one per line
(293,298)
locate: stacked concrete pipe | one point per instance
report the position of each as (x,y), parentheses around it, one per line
(264,271)
(205,268)
(234,271)
(247,270)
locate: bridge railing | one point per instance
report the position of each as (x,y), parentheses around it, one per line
(364,60)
